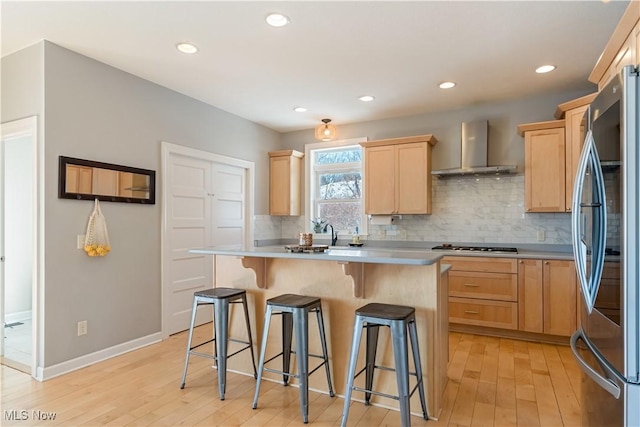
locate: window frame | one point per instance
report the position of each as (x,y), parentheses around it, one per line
(310,170)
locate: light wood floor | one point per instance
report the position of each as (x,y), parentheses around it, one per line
(492,382)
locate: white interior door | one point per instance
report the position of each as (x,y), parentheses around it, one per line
(207,201)
(189,226)
(229,188)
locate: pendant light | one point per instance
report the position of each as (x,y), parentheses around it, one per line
(325,131)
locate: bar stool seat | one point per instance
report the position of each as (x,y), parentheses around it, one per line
(401,321)
(220,299)
(295,310)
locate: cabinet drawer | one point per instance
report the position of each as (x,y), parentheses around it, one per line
(483,264)
(495,314)
(495,286)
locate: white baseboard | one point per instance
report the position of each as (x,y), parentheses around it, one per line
(48,372)
(19,316)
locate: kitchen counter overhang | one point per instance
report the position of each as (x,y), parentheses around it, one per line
(352,260)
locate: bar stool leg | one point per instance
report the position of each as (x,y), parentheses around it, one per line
(325,353)
(401,356)
(186,360)
(246,319)
(353,359)
(287,335)
(263,350)
(301,321)
(413,333)
(370,359)
(221,312)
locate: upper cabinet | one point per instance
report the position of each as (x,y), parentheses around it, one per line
(544,166)
(574,126)
(622,49)
(552,150)
(397,175)
(285,175)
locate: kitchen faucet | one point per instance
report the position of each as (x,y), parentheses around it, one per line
(334,235)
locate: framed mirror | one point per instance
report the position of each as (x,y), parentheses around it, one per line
(88,180)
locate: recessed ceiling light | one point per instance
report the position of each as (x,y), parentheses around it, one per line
(446,85)
(277,19)
(545,69)
(299,109)
(186,47)
(366,98)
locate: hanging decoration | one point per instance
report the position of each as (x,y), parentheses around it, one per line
(96,241)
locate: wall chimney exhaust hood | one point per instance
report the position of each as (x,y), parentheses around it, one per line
(474,153)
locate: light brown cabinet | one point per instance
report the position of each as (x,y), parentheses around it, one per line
(622,49)
(544,166)
(285,175)
(574,124)
(483,291)
(547,296)
(397,175)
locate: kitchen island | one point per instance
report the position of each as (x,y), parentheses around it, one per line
(345,279)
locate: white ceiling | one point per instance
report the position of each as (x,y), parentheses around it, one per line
(332,52)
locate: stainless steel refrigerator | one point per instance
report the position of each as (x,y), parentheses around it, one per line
(605,232)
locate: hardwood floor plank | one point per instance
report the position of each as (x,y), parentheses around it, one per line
(465,402)
(536,358)
(570,366)
(506,359)
(527,413)
(492,381)
(548,411)
(568,402)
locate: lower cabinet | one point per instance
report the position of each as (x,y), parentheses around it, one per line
(547,296)
(529,295)
(483,291)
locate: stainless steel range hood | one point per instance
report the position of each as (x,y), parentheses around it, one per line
(475,136)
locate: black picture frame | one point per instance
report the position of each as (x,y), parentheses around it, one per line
(145,195)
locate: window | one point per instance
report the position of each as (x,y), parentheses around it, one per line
(334,177)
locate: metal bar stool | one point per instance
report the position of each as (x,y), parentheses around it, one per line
(400,319)
(295,310)
(220,298)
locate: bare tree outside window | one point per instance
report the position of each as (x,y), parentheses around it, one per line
(338,187)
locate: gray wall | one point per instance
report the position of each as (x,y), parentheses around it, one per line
(97,112)
(505,145)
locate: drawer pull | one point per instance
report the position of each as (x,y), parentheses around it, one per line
(471,312)
(471,285)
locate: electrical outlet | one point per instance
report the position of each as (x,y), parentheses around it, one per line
(80,241)
(541,236)
(82,328)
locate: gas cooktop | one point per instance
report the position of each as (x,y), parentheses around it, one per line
(449,247)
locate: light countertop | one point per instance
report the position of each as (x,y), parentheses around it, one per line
(342,254)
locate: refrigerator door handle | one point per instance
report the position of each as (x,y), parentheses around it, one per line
(606,383)
(589,283)
(578,221)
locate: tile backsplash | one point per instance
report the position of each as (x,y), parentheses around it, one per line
(465,209)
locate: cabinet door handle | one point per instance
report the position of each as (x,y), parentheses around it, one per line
(471,285)
(546,262)
(471,312)
(521,262)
